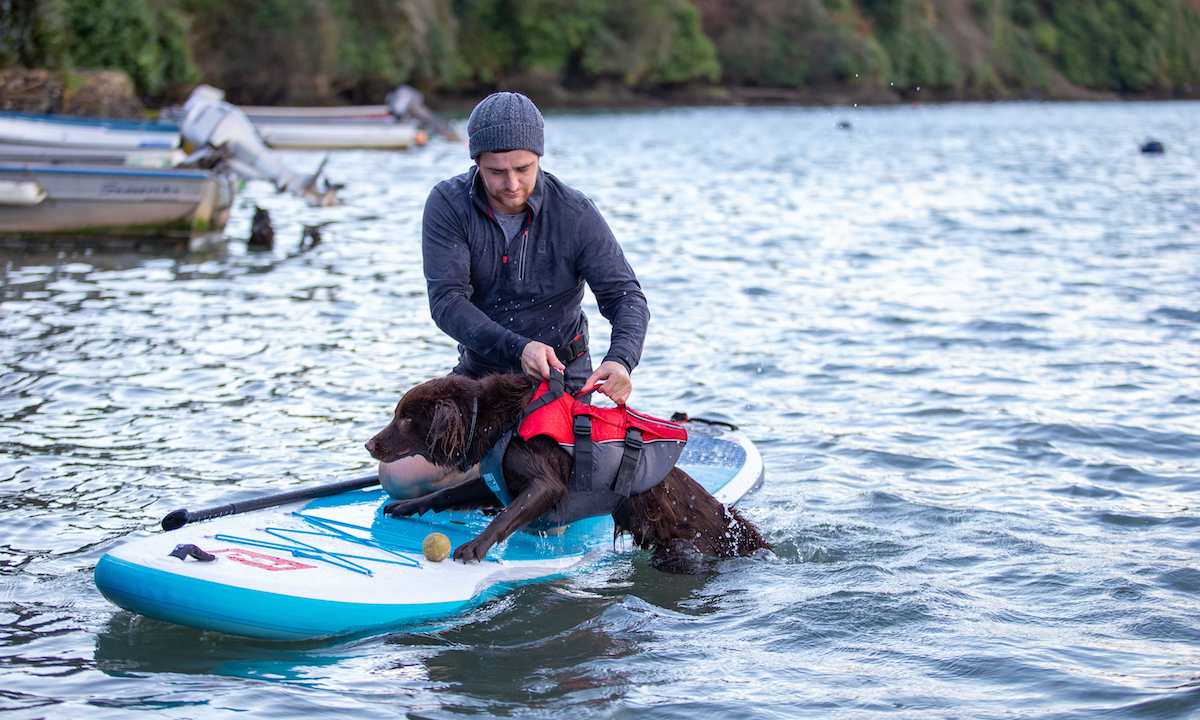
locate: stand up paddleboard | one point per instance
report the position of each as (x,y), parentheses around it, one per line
(337,565)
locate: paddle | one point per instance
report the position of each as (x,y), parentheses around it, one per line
(181,517)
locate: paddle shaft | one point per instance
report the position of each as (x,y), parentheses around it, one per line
(182,516)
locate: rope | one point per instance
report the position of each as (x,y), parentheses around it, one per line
(335,530)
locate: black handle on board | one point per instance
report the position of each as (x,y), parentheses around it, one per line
(179,518)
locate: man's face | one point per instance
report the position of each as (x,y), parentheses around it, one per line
(509,178)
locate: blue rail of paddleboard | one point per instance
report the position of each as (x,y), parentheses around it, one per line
(198,603)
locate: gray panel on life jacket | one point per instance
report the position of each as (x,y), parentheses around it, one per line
(656,460)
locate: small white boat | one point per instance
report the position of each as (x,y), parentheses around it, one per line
(60,131)
(287,134)
(375,113)
(396,125)
(144,158)
(216,132)
(97,203)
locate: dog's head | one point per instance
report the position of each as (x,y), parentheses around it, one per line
(433,419)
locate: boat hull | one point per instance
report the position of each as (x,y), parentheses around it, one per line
(377,113)
(97,202)
(87,133)
(337,134)
(141,158)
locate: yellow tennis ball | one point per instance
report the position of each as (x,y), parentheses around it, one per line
(436,547)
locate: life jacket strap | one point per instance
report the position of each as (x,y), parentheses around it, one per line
(581,478)
(629,460)
(491,469)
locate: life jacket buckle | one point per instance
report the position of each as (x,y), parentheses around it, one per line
(578,346)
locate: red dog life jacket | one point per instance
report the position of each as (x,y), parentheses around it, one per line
(617,453)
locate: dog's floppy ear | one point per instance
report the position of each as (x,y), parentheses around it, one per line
(447,432)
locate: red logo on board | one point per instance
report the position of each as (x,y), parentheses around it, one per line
(258,560)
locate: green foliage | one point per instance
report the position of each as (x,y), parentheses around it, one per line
(919,58)
(1013,62)
(145,38)
(889,15)
(1017,62)
(148,39)
(1045,37)
(30,34)
(306,51)
(390,42)
(255,49)
(638,42)
(918,55)
(1181,46)
(1127,44)
(1023,12)
(783,43)
(313,51)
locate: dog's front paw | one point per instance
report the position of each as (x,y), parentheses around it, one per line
(474,550)
(404,508)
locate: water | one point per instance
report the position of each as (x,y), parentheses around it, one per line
(965,339)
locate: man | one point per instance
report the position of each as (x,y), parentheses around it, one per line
(507,250)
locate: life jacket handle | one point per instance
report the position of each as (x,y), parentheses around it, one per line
(556,387)
(585,393)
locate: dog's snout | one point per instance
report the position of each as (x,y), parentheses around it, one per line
(371,445)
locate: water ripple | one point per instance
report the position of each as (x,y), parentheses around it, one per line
(963,337)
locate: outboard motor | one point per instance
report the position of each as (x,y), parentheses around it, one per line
(406,101)
(203,95)
(216,125)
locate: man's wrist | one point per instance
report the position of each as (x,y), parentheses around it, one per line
(622,361)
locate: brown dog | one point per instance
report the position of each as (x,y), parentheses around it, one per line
(454,421)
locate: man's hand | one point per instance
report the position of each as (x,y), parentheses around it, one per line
(615,381)
(537,359)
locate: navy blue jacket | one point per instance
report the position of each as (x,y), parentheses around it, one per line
(494,300)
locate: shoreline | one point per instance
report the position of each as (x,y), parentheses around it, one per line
(554,97)
(109,94)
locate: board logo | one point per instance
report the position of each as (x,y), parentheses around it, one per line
(259,560)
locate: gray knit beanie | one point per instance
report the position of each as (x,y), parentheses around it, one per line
(505,121)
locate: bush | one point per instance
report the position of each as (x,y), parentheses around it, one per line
(636,42)
(316,51)
(30,35)
(145,38)
(918,56)
(1127,45)
(1045,38)
(784,43)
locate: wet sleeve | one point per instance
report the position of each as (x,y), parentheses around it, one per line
(618,293)
(446,255)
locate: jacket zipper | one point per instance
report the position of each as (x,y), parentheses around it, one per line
(524,243)
(524,254)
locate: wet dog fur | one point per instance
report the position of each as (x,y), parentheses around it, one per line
(680,521)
